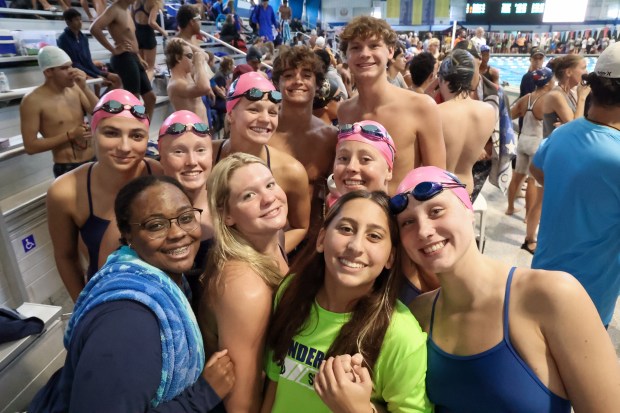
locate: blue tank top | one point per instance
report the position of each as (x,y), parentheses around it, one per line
(496,380)
(93,229)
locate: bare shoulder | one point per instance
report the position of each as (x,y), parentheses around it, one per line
(347,110)
(421,308)
(322,132)
(286,166)
(155,166)
(239,283)
(215,146)
(63,192)
(34,98)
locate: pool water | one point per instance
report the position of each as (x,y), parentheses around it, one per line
(512,68)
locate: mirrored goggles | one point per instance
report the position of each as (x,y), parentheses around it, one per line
(114,106)
(199,129)
(255,94)
(421,192)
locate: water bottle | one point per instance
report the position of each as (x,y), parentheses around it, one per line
(4,83)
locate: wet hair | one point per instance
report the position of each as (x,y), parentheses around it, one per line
(70,14)
(128,193)
(298,56)
(174,53)
(365,27)
(185,14)
(370,318)
(563,63)
(324,56)
(421,67)
(230,244)
(227,65)
(458,70)
(604,91)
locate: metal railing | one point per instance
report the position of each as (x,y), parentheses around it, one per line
(231,47)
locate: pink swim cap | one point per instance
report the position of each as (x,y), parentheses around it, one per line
(181,116)
(122,96)
(384,145)
(433,174)
(244,83)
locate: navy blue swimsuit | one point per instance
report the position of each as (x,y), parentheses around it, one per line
(496,380)
(93,229)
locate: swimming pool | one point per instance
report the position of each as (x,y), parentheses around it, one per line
(512,68)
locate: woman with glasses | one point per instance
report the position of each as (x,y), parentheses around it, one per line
(80,205)
(341,299)
(500,338)
(133,343)
(246,264)
(365,155)
(252,107)
(185,154)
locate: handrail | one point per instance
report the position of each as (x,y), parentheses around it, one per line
(8,10)
(21,92)
(307,35)
(228,45)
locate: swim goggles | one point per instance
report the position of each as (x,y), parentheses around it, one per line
(254,95)
(422,192)
(372,132)
(114,106)
(176,128)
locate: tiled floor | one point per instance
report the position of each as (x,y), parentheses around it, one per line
(505,234)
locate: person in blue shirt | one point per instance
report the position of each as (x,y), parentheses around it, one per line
(75,44)
(265,19)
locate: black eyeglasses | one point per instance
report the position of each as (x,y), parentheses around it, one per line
(199,129)
(158,227)
(255,95)
(114,106)
(190,56)
(422,192)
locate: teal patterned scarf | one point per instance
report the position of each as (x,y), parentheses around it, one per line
(126,277)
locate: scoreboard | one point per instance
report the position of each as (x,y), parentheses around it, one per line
(504,12)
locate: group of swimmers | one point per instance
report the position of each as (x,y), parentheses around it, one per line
(327,332)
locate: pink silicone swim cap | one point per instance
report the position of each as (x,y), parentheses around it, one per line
(181,116)
(433,174)
(244,83)
(385,146)
(122,96)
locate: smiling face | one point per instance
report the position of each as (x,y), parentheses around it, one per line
(120,142)
(174,253)
(297,85)
(367,58)
(436,233)
(188,159)
(360,166)
(356,245)
(256,203)
(254,121)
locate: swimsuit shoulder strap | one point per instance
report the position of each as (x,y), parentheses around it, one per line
(219,153)
(268,157)
(430,330)
(90,198)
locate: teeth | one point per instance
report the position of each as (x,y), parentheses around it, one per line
(351,182)
(260,130)
(191,173)
(178,251)
(350,264)
(435,247)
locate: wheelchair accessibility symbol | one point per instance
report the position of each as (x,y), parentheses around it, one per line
(28,243)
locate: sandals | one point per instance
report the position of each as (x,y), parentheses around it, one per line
(526,246)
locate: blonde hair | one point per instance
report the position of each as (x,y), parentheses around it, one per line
(230,244)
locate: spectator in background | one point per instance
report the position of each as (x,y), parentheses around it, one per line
(125,59)
(330,71)
(396,67)
(433,47)
(189,79)
(229,32)
(188,21)
(485,70)
(56,111)
(145,13)
(423,69)
(75,44)
(217,8)
(220,84)
(479,38)
(253,58)
(285,18)
(427,39)
(265,19)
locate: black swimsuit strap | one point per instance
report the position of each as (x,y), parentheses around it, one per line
(90,199)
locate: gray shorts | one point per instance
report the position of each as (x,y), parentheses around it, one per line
(526,148)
